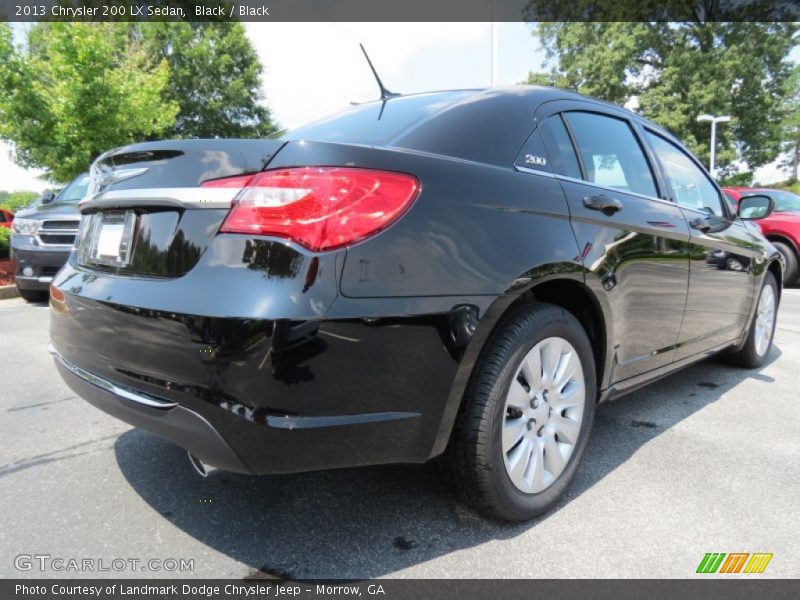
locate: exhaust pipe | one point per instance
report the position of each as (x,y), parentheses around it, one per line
(202,469)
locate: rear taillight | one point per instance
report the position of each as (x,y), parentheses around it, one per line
(321,208)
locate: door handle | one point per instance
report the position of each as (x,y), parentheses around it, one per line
(701,224)
(607,206)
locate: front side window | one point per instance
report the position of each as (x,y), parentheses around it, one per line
(692,188)
(611,154)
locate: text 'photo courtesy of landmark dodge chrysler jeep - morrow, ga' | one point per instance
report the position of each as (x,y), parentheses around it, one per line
(457,275)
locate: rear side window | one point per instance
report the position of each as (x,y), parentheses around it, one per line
(691,186)
(533,155)
(611,154)
(560,151)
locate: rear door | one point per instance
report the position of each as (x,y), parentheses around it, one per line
(722,279)
(635,243)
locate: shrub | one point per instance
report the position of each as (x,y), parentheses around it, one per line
(14,201)
(5,242)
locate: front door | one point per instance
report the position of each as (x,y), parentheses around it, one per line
(721,279)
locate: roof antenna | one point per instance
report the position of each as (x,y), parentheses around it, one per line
(385,94)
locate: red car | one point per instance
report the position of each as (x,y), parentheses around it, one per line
(6,216)
(782,227)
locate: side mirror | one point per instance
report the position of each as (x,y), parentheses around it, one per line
(47,197)
(752,208)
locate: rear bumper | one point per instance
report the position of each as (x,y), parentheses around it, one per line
(43,263)
(271,395)
(161,417)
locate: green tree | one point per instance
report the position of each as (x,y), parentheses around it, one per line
(680,70)
(214,77)
(76,90)
(14,201)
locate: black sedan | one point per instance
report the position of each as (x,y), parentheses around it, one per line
(461,275)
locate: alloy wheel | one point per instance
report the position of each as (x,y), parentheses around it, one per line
(543,414)
(765,320)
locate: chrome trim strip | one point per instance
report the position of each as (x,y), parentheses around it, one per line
(293,422)
(45,279)
(612,189)
(592,184)
(105,384)
(193,197)
(56,246)
(535,171)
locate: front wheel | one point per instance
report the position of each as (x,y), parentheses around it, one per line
(762,327)
(527,415)
(790,260)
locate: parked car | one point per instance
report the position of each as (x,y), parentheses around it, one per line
(459,274)
(44,235)
(6,217)
(782,227)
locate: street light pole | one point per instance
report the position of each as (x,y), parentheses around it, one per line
(713,120)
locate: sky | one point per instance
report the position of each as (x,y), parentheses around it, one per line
(314,69)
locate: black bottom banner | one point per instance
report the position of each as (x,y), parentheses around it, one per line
(400,589)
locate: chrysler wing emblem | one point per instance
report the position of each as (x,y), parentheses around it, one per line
(101,179)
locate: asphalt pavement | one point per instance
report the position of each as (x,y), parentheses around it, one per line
(703,461)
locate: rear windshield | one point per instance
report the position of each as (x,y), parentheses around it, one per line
(375,123)
(76,190)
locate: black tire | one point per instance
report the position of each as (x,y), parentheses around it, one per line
(32,295)
(748,356)
(474,460)
(790,273)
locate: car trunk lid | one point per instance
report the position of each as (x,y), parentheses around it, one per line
(146,212)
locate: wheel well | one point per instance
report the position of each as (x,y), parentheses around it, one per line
(783,240)
(573,297)
(774,267)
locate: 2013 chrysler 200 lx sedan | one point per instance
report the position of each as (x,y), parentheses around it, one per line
(462,274)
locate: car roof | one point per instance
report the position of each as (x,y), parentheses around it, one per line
(486,125)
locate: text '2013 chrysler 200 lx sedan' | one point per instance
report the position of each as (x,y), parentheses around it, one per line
(461,274)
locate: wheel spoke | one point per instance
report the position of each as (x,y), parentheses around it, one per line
(567,429)
(570,397)
(518,460)
(513,430)
(554,460)
(551,356)
(532,369)
(568,366)
(534,475)
(517,396)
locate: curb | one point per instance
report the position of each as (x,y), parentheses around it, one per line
(8,291)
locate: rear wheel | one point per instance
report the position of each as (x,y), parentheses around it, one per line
(762,327)
(527,415)
(32,295)
(790,273)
